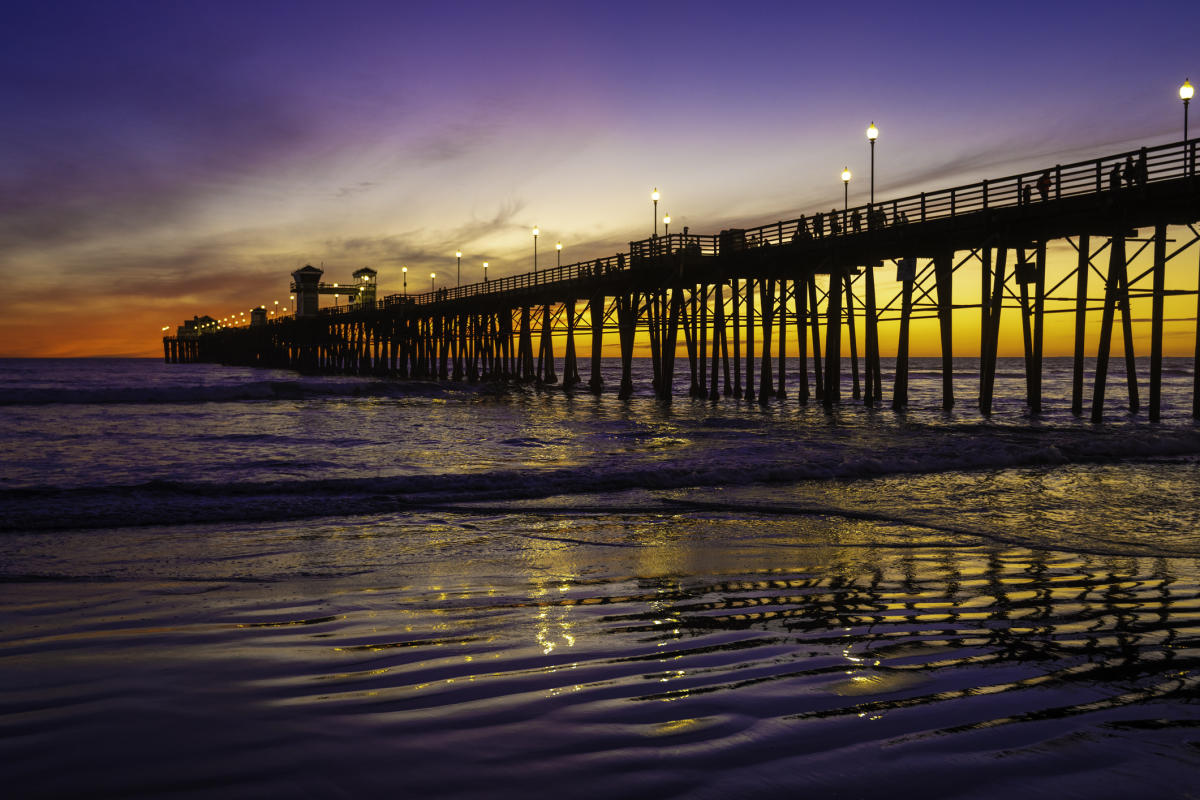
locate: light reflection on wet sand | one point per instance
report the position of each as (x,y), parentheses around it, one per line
(694,653)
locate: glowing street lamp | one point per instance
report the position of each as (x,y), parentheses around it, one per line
(536,231)
(458,255)
(558,250)
(666,225)
(433,281)
(485,266)
(845,194)
(872,135)
(1185,94)
(655,196)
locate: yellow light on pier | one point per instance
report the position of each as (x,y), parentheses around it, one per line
(846,175)
(655,196)
(872,132)
(1185,94)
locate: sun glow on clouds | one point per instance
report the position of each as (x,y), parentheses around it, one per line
(160,161)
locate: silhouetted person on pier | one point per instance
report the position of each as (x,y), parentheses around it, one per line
(1114,177)
(801,230)
(1043,186)
(818,224)
(1130,171)
(621,261)
(834,227)
(856,221)
(1026,194)
(1143,170)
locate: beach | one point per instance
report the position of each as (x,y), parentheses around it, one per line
(223,581)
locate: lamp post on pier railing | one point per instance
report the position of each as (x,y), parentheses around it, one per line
(558,252)
(485,265)
(404,271)
(535,235)
(872,135)
(845,195)
(458,255)
(433,282)
(666,225)
(1185,94)
(654,196)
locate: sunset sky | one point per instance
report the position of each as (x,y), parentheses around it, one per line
(160,160)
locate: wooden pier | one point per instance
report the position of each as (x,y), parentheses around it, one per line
(737,300)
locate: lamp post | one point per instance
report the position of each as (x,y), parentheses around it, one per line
(558,251)
(667,225)
(536,231)
(654,196)
(433,281)
(404,270)
(845,195)
(1185,94)
(485,265)
(872,135)
(458,255)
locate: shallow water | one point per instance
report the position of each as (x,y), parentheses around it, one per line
(603,600)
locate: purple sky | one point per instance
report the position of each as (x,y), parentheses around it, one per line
(164,159)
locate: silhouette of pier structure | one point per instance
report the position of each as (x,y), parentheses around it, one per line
(731,299)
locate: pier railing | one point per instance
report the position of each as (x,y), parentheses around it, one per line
(1109,174)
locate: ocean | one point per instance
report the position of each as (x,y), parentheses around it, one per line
(227,582)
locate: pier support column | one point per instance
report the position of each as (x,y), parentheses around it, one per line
(852,332)
(900,388)
(689,337)
(987,378)
(1112,288)
(766,296)
(833,341)
(943,265)
(737,347)
(596,319)
(780,391)
(525,347)
(1156,321)
(547,373)
(570,366)
(749,339)
(814,323)
(627,317)
(1083,266)
(800,299)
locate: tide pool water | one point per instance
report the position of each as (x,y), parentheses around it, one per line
(240,583)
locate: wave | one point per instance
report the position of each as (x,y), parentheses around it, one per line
(264,390)
(966,448)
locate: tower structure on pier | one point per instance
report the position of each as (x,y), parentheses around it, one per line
(306,285)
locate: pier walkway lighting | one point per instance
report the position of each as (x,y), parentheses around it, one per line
(458,255)
(666,224)
(433,281)
(485,266)
(872,135)
(558,250)
(404,272)
(1186,92)
(536,231)
(655,196)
